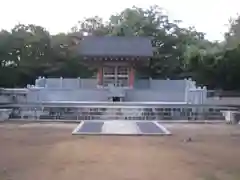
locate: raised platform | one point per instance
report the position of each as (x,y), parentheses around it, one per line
(120,127)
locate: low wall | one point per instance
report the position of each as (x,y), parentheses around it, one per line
(151,95)
(4,114)
(67,95)
(38,95)
(66,83)
(231,101)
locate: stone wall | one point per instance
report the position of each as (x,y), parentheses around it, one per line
(154,95)
(65,83)
(67,89)
(39,95)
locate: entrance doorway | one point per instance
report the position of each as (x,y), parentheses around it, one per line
(116,99)
(116,75)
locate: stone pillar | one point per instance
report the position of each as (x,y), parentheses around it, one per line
(131,77)
(100,76)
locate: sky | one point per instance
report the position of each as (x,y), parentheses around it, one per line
(208,16)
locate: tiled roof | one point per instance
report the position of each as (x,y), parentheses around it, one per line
(115,46)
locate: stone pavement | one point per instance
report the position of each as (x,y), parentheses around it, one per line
(120,127)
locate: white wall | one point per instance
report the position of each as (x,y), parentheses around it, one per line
(66,83)
(67,95)
(151,95)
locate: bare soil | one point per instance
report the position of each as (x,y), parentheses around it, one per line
(50,152)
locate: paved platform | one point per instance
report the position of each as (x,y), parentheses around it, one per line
(120,127)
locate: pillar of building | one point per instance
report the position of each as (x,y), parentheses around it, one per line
(100,76)
(131,77)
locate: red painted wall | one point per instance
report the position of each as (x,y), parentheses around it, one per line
(131,77)
(100,76)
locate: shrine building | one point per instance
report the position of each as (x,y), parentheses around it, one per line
(116,58)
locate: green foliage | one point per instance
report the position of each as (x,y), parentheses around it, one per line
(233,35)
(29,51)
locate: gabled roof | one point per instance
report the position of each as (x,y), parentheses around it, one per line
(115,46)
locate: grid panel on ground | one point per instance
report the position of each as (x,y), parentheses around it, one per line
(149,128)
(90,127)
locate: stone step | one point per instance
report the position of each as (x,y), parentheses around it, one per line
(119,127)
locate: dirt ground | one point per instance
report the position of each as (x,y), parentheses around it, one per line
(50,152)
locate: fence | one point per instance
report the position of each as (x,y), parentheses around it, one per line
(119,110)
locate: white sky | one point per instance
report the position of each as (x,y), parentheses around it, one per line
(209,16)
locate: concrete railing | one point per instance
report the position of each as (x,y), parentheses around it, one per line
(119,110)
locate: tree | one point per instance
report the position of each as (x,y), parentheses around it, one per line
(31,47)
(232,37)
(64,58)
(91,26)
(8,60)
